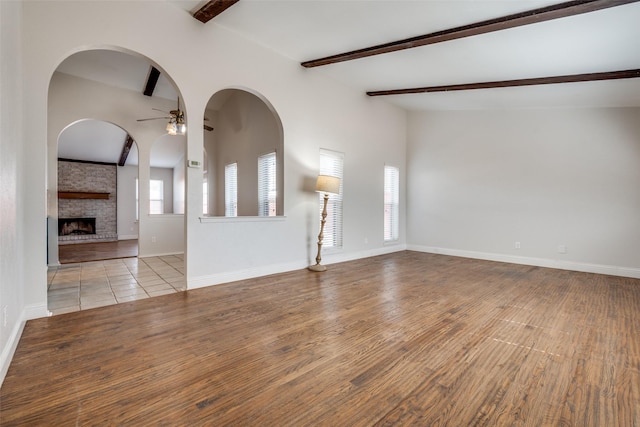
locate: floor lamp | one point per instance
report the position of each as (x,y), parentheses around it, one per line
(326,184)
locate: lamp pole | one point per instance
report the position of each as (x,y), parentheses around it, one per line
(318,266)
(326,185)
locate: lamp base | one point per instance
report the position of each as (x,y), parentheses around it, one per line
(317,268)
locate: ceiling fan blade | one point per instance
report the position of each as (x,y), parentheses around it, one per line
(209,128)
(153,118)
(162,111)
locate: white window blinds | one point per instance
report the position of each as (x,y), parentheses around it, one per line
(391,202)
(267,185)
(231,189)
(156,196)
(332,164)
(205,196)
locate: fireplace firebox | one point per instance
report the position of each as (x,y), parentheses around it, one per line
(75,226)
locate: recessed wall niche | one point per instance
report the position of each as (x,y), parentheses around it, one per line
(246,128)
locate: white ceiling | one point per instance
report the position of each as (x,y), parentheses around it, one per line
(96,141)
(606,40)
(601,41)
(116,69)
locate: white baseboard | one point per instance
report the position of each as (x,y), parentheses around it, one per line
(10,349)
(336,257)
(160,254)
(127,236)
(248,273)
(35,311)
(611,270)
(327,259)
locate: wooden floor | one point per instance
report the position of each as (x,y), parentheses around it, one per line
(401,339)
(83,252)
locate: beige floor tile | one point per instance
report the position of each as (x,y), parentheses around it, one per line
(81,286)
(124,286)
(151,281)
(96,304)
(161,292)
(96,297)
(63,304)
(63,293)
(157,287)
(64,310)
(95,288)
(132,298)
(64,285)
(122,281)
(129,292)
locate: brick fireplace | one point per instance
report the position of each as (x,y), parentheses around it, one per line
(76,226)
(87,202)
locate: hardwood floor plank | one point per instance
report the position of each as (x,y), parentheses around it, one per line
(84,252)
(400,339)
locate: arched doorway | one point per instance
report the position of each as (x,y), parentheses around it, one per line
(97,204)
(105,86)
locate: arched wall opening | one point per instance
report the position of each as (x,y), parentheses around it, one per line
(97,175)
(244,155)
(106,85)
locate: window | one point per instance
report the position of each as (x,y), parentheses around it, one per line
(205,185)
(391,202)
(231,189)
(267,185)
(156,196)
(137,201)
(332,163)
(205,196)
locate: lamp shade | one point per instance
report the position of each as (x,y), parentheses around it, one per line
(328,184)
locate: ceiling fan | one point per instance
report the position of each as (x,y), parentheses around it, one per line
(176,124)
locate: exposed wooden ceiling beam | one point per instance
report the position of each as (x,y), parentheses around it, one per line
(589,77)
(212,9)
(510,21)
(128,142)
(152,80)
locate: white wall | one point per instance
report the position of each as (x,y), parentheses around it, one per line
(13,309)
(179,184)
(315,112)
(481,181)
(127,222)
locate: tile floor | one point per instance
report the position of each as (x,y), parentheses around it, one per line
(85,285)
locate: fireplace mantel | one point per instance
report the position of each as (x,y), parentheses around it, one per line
(81,195)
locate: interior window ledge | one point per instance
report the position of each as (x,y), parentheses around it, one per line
(227,219)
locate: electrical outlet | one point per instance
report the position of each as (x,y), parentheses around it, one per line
(517,245)
(366,240)
(562,249)
(153,239)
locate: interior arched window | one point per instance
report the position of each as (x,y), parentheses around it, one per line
(246,132)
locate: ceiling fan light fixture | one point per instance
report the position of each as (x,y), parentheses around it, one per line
(180,125)
(171,128)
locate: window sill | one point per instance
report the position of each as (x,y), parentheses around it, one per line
(228,219)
